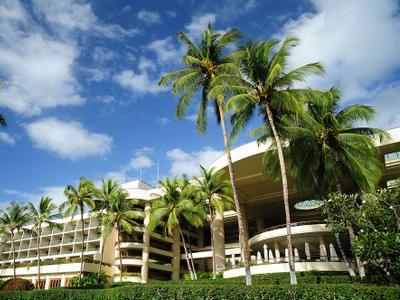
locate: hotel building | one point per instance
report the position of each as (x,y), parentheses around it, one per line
(150,256)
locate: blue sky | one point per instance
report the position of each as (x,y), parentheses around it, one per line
(79,80)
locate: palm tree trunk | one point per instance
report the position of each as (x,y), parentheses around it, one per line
(242,237)
(214,266)
(83,245)
(279,148)
(191,258)
(186,254)
(352,236)
(344,256)
(119,253)
(101,260)
(13,252)
(38,257)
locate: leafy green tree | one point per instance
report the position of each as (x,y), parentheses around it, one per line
(175,207)
(12,221)
(43,214)
(376,219)
(215,193)
(78,200)
(265,85)
(103,195)
(122,214)
(203,62)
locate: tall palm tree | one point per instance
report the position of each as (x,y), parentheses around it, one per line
(12,221)
(264,83)
(174,208)
(78,200)
(203,62)
(121,214)
(326,145)
(41,215)
(215,193)
(103,195)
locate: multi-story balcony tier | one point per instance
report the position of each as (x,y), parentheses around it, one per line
(151,256)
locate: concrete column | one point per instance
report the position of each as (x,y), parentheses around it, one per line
(62,284)
(265,248)
(201,264)
(34,280)
(260,224)
(277,252)
(176,254)
(322,248)
(219,241)
(47,283)
(243,209)
(146,244)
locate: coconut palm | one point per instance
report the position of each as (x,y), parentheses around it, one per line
(103,195)
(265,84)
(327,146)
(215,193)
(174,208)
(203,62)
(12,221)
(78,200)
(43,214)
(121,214)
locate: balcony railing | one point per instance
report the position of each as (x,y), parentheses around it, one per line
(310,222)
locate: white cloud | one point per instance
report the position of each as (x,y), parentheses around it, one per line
(358,42)
(149,17)
(188,163)
(7,138)
(96,74)
(55,192)
(37,69)
(141,159)
(146,64)
(68,16)
(68,140)
(199,23)
(167,53)
(101,54)
(163,121)
(171,13)
(384,101)
(137,83)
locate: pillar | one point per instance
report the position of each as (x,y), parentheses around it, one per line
(146,244)
(322,248)
(176,254)
(47,283)
(307,250)
(243,209)
(265,248)
(277,252)
(62,283)
(260,224)
(219,241)
(201,264)
(34,280)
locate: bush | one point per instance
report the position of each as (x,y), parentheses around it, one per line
(90,281)
(17,284)
(200,291)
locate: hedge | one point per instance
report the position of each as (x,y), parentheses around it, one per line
(200,291)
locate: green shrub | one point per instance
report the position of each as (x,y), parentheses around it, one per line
(90,281)
(200,291)
(17,284)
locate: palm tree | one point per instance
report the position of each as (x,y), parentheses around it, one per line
(174,208)
(327,145)
(78,199)
(215,193)
(41,215)
(103,196)
(121,214)
(264,83)
(12,221)
(203,62)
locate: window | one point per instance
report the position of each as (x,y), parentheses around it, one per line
(392,157)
